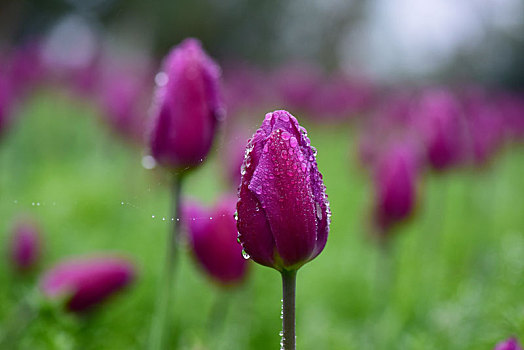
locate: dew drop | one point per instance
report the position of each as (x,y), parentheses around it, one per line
(245,255)
(293,142)
(284,117)
(268,116)
(161,79)
(286,135)
(319,211)
(303,167)
(284,154)
(148,162)
(259,190)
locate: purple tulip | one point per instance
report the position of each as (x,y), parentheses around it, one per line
(124,92)
(5,101)
(395,182)
(297,85)
(213,238)
(485,126)
(510,344)
(187,107)
(438,117)
(86,282)
(25,246)
(283,210)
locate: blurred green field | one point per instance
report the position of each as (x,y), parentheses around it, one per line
(454,278)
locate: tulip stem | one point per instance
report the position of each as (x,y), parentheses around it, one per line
(160,323)
(289,279)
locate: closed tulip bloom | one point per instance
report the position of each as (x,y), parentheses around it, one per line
(395,182)
(87,282)
(212,235)
(187,107)
(439,117)
(510,344)
(26,245)
(283,210)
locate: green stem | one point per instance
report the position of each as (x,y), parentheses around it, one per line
(160,323)
(289,279)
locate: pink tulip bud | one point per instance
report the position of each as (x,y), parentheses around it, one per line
(283,210)
(510,344)
(25,246)
(187,107)
(213,238)
(86,282)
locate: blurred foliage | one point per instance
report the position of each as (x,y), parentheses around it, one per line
(453,278)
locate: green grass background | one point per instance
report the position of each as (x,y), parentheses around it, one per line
(453,278)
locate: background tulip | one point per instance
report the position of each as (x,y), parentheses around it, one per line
(187,107)
(212,235)
(395,185)
(87,282)
(26,245)
(438,116)
(510,344)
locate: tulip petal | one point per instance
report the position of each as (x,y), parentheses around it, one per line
(284,190)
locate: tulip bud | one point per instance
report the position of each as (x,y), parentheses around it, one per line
(438,117)
(25,246)
(187,107)
(510,344)
(213,238)
(5,100)
(86,282)
(395,181)
(283,210)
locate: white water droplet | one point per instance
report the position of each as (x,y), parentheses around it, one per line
(148,162)
(161,79)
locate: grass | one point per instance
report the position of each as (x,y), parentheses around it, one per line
(453,279)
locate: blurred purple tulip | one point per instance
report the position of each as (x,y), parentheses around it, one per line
(213,239)
(187,107)
(25,67)
(297,85)
(123,93)
(86,282)
(26,245)
(438,117)
(5,101)
(245,89)
(395,185)
(510,344)
(341,97)
(283,211)
(485,126)
(389,123)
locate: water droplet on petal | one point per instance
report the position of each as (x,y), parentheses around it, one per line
(286,135)
(245,255)
(293,142)
(319,211)
(284,154)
